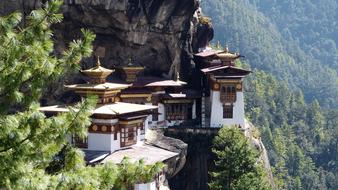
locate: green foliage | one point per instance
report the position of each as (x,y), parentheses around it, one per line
(293,40)
(29,141)
(136,173)
(300,138)
(236,165)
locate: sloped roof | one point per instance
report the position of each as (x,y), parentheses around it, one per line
(117,108)
(156,81)
(104,86)
(228,71)
(150,154)
(208,53)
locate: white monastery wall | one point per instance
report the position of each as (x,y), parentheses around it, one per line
(104,142)
(217,119)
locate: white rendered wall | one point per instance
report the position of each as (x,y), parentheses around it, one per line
(139,136)
(145,186)
(149,122)
(161,112)
(116,144)
(194,110)
(104,142)
(217,119)
(146,125)
(161,116)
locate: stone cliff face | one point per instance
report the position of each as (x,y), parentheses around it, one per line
(159,34)
(156,34)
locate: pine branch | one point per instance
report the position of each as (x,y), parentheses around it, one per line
(16,144)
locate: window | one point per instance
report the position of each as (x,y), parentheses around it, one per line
(227,111)
(80,142)
(142,128)
(155,115)
(228,93)
(178,111)
(128,135)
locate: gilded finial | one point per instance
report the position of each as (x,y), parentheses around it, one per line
(98,63)
(130,63)
(226,49)
(218,45)
(177,76)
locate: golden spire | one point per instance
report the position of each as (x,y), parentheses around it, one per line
(218,45)
(98,63)
(130,63)
(226,49)
(177,76)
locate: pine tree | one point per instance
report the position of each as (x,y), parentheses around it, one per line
(29,140)
(236,165)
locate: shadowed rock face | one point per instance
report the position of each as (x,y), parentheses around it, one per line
(155,33)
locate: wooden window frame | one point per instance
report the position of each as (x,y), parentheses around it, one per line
(128,135)
(228,111)
(228,93)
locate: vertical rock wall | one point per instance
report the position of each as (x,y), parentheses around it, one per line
(155,33)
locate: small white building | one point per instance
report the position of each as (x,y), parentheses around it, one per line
(226,97)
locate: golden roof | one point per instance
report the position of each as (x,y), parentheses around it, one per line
(131,66)
(98,71)
(227,55)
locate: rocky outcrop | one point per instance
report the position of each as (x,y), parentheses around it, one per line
(156,34)
(256,141)
(156,138)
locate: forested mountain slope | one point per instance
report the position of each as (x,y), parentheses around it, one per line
(293,40)
(301,138)
(292,94)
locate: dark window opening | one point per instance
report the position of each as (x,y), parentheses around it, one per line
(80,142)
(227,111)
(177,111)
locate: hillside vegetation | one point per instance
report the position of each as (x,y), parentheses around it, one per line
(292,93)
(293,40)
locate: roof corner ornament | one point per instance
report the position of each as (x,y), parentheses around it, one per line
(218,45)
(226,49)
(130,62)
(98,63)
(177,76)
